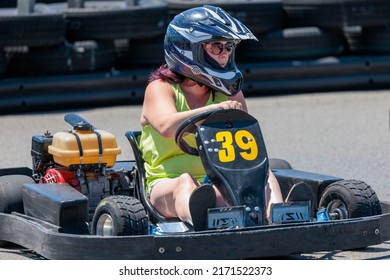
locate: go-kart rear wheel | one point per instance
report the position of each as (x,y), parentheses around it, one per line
(11,196)
(118,216)
(350,199)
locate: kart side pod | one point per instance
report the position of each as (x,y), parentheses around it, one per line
(58,204)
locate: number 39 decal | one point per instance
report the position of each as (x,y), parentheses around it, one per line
(243,139)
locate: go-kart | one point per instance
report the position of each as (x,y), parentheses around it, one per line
(78,202)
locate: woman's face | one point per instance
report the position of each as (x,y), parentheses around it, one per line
(220,51)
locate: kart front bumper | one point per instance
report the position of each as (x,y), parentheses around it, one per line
(254,242)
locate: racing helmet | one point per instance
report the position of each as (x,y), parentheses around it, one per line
(184,53)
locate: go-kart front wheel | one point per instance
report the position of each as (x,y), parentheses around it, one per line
(277,163)
(119,216)
(350,199)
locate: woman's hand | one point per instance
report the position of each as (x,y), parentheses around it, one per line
(229,104)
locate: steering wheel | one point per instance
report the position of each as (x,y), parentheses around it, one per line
(190,126)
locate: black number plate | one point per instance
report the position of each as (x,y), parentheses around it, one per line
(228,217)
(294,212)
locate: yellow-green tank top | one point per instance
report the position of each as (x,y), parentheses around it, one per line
(163,158)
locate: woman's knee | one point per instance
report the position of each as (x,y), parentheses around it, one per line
(186,184)
(187,179)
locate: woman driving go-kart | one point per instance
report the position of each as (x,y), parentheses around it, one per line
(200,75)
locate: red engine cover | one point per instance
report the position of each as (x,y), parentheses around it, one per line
(53,176)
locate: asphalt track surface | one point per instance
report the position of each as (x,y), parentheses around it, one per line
(345,134)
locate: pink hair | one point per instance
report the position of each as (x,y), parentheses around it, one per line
(167,75)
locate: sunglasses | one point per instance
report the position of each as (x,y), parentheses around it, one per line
(218,47)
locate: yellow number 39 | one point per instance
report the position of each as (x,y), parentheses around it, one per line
(244,140)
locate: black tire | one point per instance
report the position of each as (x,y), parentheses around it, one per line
(277,163)
(14,3)
(348,199)
(31,30)
(120,216)
(8,3)
(258,16)
(84,56)
(11,193)
(148,52)
(3,64)
(369,40)
(126,23)
(337,13)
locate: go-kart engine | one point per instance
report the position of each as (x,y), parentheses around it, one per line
(80,158)
(94,182)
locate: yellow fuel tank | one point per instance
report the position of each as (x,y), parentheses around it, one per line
(84,146)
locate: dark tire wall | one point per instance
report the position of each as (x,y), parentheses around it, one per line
(31,30)
(83,56)
(13,3)
(258,16)
(293,43)
(337,13)
(372,40)
(3,64)
(304,46)
(146,52)
(131,22)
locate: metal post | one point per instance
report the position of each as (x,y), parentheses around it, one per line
(130,3)
(25,7)
(76,3)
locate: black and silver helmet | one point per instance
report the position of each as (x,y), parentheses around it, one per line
(185,54)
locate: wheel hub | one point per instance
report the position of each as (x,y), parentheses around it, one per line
(105,226)
(337,210)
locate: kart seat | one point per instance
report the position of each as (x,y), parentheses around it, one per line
(133,137)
